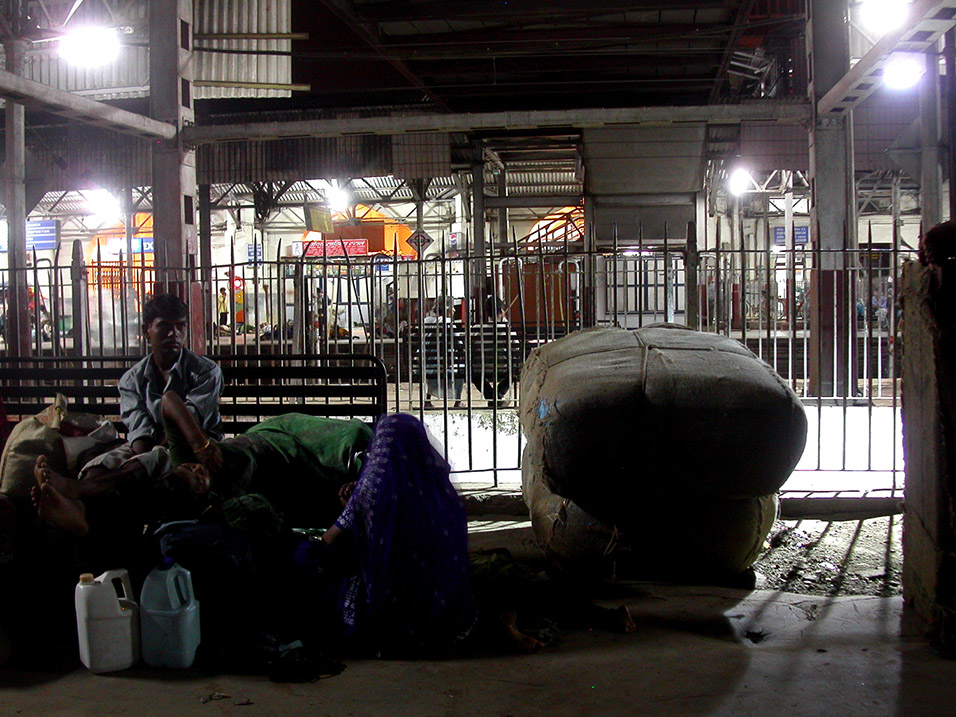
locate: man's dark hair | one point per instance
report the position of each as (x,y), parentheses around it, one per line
(165,306)
(938,245)
(493,307)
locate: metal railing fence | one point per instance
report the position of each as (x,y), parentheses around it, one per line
(454,332)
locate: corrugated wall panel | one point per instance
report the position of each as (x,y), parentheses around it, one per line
(877,123)
(129,75)
(421,156)
(83,157)
(242,17)
(291,159)
(770,146)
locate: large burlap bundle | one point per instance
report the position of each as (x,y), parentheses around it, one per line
(676,537)
(675,438)
(67,439)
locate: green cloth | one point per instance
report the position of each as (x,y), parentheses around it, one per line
(324,445)
(297,462)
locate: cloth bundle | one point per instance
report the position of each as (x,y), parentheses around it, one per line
(655,451)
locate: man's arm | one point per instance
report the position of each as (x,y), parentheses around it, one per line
(201,397)
(176,412)
(142,430)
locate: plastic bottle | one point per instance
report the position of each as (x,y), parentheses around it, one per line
(169,616)
(107,623)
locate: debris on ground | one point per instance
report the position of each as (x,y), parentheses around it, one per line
(814,557)
(213,697)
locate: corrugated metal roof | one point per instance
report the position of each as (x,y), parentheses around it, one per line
(129,75)
(242,17)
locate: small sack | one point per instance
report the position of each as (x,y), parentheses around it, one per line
(67,439)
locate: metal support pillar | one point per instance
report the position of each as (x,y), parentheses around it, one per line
(692,262)
(14,180)
(930,190)
(949,53)
(174,166)
(478,245)
(206,278)
(831,171)
(81,300)
(502,179)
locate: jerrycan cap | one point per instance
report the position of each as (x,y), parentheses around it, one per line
(166,563)
(87,579)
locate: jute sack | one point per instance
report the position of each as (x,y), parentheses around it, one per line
(679,538)
(66,438)
(618,417)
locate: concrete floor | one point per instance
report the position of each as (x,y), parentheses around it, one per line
(698,650)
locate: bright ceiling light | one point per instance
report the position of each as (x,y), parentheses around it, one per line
(337,198)
(740,181)
(90,46)
(903,70)
(103,207)
(880,16)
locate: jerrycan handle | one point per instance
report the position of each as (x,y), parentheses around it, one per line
(110,575)
(180,592)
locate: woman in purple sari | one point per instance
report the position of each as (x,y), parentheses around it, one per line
(405,532)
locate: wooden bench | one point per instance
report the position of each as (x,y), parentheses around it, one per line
(256,386)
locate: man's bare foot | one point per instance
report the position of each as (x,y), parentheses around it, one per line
(67,514)
(67,487)
(516,639)
(613,619)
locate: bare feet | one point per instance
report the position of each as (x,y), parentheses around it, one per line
(67,487)
(67,514)
(613,619)
(516,639)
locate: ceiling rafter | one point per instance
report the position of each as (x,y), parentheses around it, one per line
(344,10)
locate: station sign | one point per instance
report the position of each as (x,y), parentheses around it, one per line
(801,235)
(137,245)
(419,241)
(254,253)
(42,235)
(333,247)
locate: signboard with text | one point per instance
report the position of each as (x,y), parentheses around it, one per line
(801,235)
(138,245)
(336,247)
(41,235)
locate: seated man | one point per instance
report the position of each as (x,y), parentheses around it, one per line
(170,366)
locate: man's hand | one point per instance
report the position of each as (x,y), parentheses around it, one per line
(210,456)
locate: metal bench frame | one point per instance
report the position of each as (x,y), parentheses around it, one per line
(256,386)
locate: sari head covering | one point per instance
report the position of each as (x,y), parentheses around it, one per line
(407,522)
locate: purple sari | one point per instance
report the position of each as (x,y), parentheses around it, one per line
(408,526)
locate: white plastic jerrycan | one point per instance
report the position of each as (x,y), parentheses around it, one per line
(170,617)
(107,623)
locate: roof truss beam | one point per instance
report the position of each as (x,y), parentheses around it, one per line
(928,20)
(786,112)
(49,99)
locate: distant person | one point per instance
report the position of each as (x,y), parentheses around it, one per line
(222,304)
(493,361)
(443,355)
